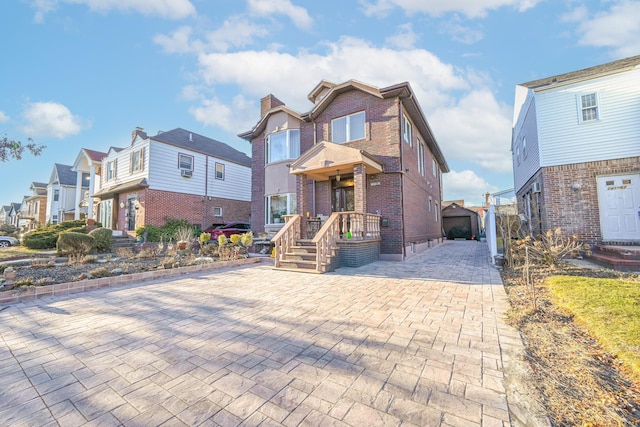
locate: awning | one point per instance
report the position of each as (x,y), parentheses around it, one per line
(110,192)
(325,159)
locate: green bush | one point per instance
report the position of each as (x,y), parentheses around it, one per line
(69,224)
(154,234)
(40,239)
(82,229)
(75,245)
(103,239)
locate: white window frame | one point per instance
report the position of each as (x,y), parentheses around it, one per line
(220,171)
(524,147)
(421,151)
(291,147)
(54,219)
(518,154)
(436,211)
(291,207)
(408,131)
(137,165)
(56,194)
(111,170)
(349,129)
(185,156)
(217,211)
(434,167)
(582,109)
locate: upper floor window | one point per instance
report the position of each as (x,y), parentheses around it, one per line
(283,145)
(589,107)
(185,162)
(219,171)
(348,128)
(137,160)
(111,170)
(518,154)
(408,131)
(421,168)
(56,195)
(434,167)
(524,147)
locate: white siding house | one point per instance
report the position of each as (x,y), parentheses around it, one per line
(61,193)
(576,152)
(174,174)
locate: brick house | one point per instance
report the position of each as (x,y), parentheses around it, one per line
(174,174)
(576,153)
(363,160)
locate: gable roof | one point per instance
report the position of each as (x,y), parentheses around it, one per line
(38,184)
(456,206)
(192,141)
(67,176)
(6,208)
(586,73)
(321,160)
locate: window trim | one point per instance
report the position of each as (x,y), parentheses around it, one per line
(267,206)
(347,131)
(434,167)
(56,194)
(113,171)
(217,209)
(222,172)
(421,156)
(582,109)
(189,156)
(288,146)
(136,166)
(407,132)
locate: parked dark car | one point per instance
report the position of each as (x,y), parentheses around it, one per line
(228,229)
(6,241)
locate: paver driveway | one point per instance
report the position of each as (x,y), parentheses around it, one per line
(412,343)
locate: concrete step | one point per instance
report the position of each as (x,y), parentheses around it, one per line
(298,270)
(614,262)
(299,263)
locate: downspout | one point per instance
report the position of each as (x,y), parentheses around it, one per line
(313,189)
(206,192)
(400,140)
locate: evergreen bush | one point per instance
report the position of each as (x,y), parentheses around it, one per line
(103,239)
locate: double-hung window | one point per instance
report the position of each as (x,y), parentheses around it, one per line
(283,145)
(219,171)
(137,160)
(348,128)
(185,162)
(588,105)
(111,170)
(408,131)
(56,195)
(434,167)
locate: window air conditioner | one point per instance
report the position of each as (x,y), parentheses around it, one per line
(535,188)
(186,173)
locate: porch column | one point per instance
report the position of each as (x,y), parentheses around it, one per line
(360,188)
(76,205)
(92,180)
(302,204)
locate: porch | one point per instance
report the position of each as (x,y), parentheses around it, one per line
(344,239)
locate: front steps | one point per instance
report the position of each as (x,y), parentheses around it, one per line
(620,258)
(301,258)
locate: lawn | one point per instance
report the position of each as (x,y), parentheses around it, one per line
(609,309)
(17,251)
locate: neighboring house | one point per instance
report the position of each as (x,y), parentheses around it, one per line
(576,153)
(33,207)
(14,215)
(88,163)
(466,221)
(61,193)
(174,174)
(362,151)
(5,214)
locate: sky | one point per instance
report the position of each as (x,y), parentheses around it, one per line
(85,73)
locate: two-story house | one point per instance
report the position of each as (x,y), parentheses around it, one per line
(33,207)
(61,193)
(14,215)
(5,214)
(87,167)
(174,174)
(363,161)
(576,153)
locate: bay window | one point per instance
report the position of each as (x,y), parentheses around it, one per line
(283,146)
(279,205)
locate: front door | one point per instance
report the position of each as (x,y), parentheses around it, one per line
(131,215)
(619,200)
(342,195)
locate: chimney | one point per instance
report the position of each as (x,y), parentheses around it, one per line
(486,199)
(138,132)
(267,103)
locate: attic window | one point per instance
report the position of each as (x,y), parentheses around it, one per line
(588,105)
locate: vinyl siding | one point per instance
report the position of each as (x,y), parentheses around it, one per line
(124,172)
(529,162)
(564,140)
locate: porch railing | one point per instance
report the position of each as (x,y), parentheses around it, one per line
(287,237)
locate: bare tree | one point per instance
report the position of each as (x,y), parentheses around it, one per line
(13,149)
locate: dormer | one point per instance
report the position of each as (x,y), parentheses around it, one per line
(320,91)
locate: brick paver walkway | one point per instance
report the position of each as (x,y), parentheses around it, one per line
(413,343)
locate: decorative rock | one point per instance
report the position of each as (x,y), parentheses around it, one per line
(203,259)
(116,271)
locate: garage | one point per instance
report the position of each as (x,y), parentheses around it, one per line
(459,222)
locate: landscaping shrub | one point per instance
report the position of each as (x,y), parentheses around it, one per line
(75,245)
(82,229)
(41,239)
(69,224)
(103,239)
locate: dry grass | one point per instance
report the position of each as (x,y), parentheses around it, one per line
(578,381)
(17,252)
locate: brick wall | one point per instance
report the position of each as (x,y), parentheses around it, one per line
(576,212)
(356,254)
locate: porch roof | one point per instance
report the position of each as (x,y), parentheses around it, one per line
(326,158)
(110,192)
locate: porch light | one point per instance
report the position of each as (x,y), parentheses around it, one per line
(338,175)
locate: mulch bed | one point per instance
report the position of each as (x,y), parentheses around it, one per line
(576,380)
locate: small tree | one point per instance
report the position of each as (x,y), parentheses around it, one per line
(13,149)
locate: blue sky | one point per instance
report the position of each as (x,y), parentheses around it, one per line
(85,73)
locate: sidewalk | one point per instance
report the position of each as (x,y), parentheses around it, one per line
(420,343)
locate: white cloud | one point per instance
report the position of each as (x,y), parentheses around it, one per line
(3,117)
(617,29)
(466,185)
(50,119)
(213,112)
(298,15)
(172,9)
(469,8)
(179,41)
(476,129)
(405,38)
(461,33)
